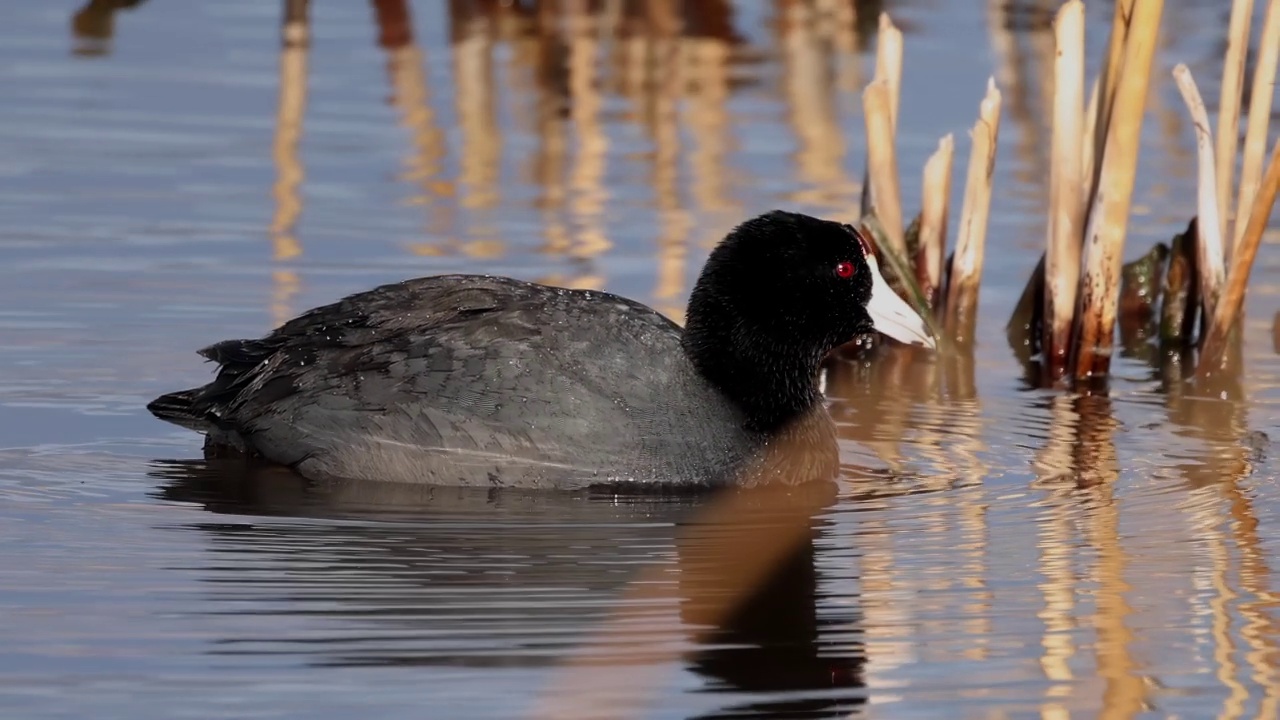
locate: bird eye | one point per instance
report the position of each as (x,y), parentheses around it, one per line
(844,269)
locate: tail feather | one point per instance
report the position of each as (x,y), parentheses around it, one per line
(180,408)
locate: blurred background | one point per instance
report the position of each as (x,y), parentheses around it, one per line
(175,172)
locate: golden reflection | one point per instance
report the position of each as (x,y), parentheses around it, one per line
(412,98)
(931,402)
(1055,468)
(586,179)
(549,159)
(1220,463)
(808,80)
(672,252)
(656,82)
(706,52)
(840,19)
(1097,468)
(1125,690)
(295,37)
(480,155)
(1014,66)
(1079,464)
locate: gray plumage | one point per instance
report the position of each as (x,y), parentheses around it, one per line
(484,381)
(471,380)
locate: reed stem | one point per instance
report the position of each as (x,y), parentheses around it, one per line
(1109,213)
(1229,112)
(1087,155)
(1228,309)
(882,163)
(1066,210)
(933,219)
(1209,238)
(966,265)
(889,63)
(1108,81)
(1255,139)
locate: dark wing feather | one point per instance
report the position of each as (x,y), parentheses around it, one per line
(471,366)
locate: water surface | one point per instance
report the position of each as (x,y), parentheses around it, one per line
(991,551)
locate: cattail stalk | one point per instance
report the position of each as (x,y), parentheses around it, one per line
(889,63)
(1066,210)
(933,219)
(1229,111)
(1087,155)
(966,265)
(889,69)
(1229,306)
(1108,81)
(1255,138)
(1209,245)
(1109,213)
(882,162)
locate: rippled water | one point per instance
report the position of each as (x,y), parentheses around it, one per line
(992,551)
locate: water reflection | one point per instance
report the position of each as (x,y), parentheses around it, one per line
(295,43)
(94,25)
(1078,469)
(444,577)
(897,397)
(411,95)
(1217,460)
(676,66)
(989,551)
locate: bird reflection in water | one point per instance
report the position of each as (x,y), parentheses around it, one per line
(585,581)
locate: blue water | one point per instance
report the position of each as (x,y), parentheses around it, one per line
(991,552)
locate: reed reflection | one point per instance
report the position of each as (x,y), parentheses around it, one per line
(1217,464)
(675,64)
(1022,37)
(295,42)
(1078,469)
(921,415)
(595,578)
(411,95)
(472,37)
(808,57)
(94,25)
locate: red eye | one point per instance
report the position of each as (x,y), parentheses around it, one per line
(844,269)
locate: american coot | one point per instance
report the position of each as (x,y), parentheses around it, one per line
(490,381)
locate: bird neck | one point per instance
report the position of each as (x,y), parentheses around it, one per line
(768,377)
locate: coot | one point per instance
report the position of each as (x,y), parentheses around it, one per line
(489,381)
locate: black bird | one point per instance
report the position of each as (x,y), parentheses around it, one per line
(489,381)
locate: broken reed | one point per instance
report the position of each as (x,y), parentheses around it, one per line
(912,257)
(1068,312)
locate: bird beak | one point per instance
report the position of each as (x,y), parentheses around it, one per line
(892,315)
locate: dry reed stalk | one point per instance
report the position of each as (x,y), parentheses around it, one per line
(888,69)
(882,162)
(933,219)
(1209,237)
(1229,111)
(966,264)
(1108,81)
(1086,149)
(889,63)
(1108,221)
(1066,210)
(1255,138)
(1228,309)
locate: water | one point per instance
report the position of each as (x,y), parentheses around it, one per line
(992,551)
